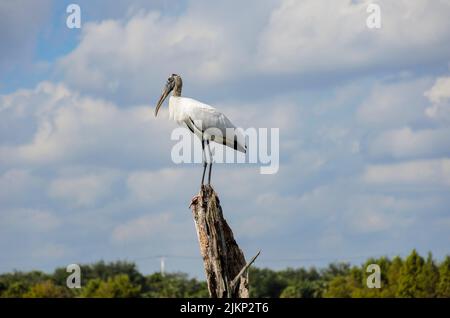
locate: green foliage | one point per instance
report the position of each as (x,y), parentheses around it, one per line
(413,277)
(443,289)
(47,289)
(118,286)
(174,285)
(428,279)
(16,284)
(393,278)
(15,290)
(266,283)
(410,286)
(335,269)
(339,287)
(303,289)
(102,271)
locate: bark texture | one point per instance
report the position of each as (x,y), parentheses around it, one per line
(224,262)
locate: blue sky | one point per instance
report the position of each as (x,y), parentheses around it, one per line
(364,119)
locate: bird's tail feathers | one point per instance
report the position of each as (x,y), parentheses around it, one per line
(235,144)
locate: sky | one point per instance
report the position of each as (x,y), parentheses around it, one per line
(363,115)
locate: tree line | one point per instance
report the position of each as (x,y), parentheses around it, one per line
(414,276)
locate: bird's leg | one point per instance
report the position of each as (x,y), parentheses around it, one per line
(196,197)
(210,162)
(204,161)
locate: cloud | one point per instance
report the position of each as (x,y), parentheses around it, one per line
(390,105)
(400,124)
(421,172)
(317,36)
(439,96)
(15,183)
(50,251)
(371,213)
(29,220)
(144,227)
(440,90)
(218,50)
(406,143)
(72,128)
(160,185)
(138,53)
(82,190)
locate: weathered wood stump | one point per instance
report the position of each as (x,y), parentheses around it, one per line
(224,262)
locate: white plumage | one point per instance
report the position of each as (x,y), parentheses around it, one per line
(201,119)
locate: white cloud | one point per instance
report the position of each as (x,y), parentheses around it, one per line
(14,183)
(420,173)
(439,96)
(368,213)
(71,128)
(147,226)
(161,185)
(29,220)
(131,55)
(440,90)
(406,143)
(392,109)
(307,36)
(49,251)
(278,113)
(390,105)
(82,190)
(129,58)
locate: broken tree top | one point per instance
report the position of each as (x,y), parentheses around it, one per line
(223,260)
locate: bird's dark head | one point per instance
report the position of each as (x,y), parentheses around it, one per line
(174,83)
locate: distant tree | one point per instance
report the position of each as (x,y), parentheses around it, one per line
(31,278)
(409,277)
(47,289)
(335,269)
(266,283)
(428,279)
(413,277)
(91,288)
(118,286)
(304,289)
(291,292)
(393,278)
(3,287)
(443,288)
(339,287)
(364,291)
(15,290)
(351,284)
(299,274)
(16,284)
(174,285)
(102,271)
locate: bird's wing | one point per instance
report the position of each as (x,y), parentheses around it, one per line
(205,117)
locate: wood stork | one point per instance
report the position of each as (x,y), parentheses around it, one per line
(200,119)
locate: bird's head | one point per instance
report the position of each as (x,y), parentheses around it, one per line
(173,83)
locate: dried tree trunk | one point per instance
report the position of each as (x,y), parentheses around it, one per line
(224,262)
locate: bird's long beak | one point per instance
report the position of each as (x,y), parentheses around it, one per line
(164,95)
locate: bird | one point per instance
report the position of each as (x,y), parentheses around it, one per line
(200,119)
